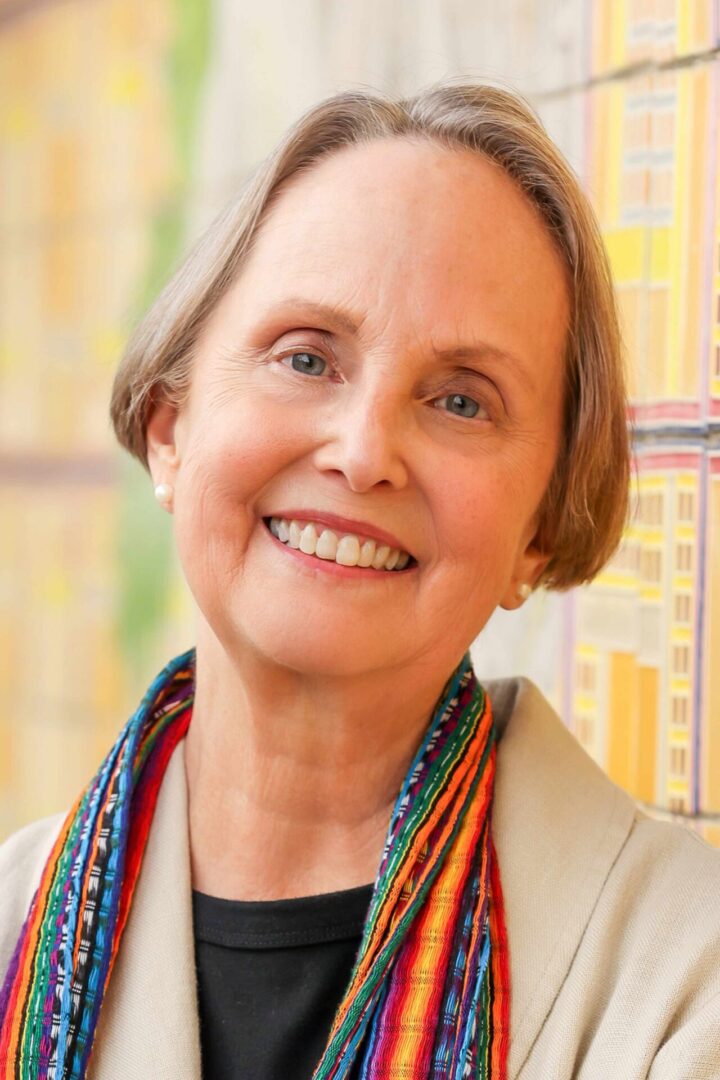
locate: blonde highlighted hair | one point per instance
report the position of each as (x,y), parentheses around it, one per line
(584,509)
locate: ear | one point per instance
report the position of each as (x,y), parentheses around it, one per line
(161,432)
(528,569)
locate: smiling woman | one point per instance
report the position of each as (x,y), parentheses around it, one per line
(351,400)
(382,397)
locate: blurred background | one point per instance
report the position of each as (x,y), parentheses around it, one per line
(125,125)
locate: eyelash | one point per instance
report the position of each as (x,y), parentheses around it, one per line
(317,356)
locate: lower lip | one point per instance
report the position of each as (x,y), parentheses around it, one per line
(313,565)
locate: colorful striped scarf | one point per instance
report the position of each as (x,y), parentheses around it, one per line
(430,991)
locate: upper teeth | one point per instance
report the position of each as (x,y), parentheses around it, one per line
(348,549)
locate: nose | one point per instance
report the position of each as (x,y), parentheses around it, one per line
(364,436)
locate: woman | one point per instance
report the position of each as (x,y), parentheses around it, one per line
(382,397)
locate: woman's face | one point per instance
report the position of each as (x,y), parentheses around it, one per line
(392,354)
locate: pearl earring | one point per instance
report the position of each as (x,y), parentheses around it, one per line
(524,590)
(163,493)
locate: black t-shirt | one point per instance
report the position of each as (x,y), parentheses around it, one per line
(271,975)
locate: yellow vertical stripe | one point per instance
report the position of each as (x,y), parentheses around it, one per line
(622,720)
(711,709)
(648,702)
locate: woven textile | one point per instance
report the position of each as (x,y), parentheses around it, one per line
(429,995)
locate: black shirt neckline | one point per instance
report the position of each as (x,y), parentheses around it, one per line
(279,924)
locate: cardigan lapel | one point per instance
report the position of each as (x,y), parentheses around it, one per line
(558,825)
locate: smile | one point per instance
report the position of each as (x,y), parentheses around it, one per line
(344,549)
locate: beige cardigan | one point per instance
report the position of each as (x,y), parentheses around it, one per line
(613,923)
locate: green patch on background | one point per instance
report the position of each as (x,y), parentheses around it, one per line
(145,542)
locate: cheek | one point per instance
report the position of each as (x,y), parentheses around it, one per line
(482,513)
(234,454)
(231,461)
(220,471)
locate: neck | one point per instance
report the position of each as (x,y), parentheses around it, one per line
(291,778)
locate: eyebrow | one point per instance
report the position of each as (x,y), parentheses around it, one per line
(340,319)
(334,316)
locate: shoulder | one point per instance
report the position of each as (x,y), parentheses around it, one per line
(638,897)
(666,845)
(666,884)
(653,943)
(22,860)
(658,865)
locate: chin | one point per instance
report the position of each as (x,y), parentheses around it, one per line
(328,650)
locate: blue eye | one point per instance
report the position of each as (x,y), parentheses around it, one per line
(303,362)
(468,406)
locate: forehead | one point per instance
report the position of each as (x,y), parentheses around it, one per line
(415,237)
